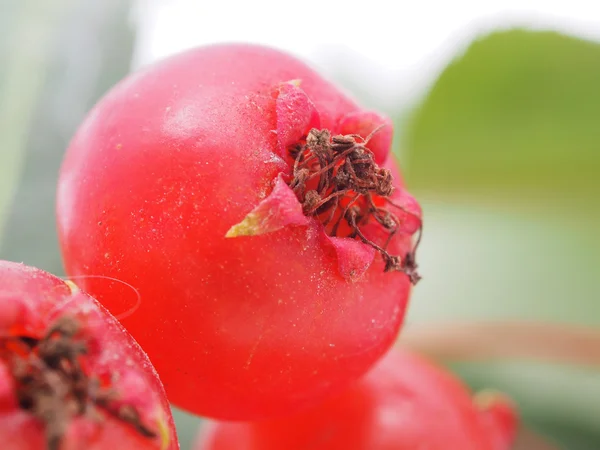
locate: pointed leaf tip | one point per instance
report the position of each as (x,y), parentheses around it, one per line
(279,209)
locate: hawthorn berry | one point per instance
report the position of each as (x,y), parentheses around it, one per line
(404,403)
(261,216)
(71,377)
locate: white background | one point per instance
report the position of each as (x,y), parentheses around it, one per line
(392,49)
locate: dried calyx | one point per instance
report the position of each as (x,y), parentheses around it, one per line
(52,385)
(337,180)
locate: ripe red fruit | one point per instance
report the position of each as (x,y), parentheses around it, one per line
(271,247)
(404,403)
(70,376)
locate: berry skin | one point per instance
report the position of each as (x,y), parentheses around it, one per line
(404,403)
(261,216)
(71,377)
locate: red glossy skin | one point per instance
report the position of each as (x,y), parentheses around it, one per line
(30,301)
(160,170)
(405,403)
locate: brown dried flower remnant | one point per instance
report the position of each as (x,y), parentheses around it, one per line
(53,386)
(337,179)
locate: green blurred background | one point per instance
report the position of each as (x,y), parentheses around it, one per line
(503,152)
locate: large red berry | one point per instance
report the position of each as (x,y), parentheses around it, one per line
(405,403)
(70,376)
(259,213)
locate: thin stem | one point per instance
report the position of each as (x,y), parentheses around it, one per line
(326,199)
(332,212)
(373,133)
(529,439)
(363,238)
(299,158)
(332,164)
(506,340)
(396,205)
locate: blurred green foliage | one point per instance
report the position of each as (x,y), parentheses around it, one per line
(21,80)
(517,113)
(73,52)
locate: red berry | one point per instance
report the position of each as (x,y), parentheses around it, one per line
(265,284)
(404,403)
(70,376)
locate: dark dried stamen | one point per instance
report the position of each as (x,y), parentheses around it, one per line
(339,176)
(52,385)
